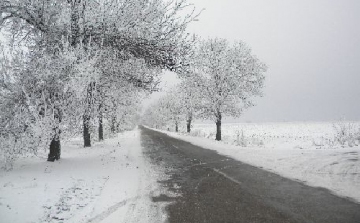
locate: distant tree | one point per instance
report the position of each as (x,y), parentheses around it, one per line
(171,109)
(175,109)
(154,116)
(168,110)
(123,83)
(180,103)
(229,76)
(188,93)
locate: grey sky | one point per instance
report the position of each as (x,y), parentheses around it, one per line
(312,49)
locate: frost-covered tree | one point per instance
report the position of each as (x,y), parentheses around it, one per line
(173,109)
(167,111)
(123,83)
(180,103)
(153,118)
(189,95)
(38,101)
(139,34)
(229,76)
(153,30)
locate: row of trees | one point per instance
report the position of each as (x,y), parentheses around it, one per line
(222,81)
(69,65)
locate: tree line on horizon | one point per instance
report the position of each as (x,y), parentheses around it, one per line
(222,80)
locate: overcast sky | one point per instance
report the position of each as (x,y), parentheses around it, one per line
(312,49)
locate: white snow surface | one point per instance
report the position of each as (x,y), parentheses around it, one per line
(294,150)
(109,182)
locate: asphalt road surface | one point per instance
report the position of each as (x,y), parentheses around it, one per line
(218,189)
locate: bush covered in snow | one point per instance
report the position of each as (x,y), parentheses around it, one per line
(347,134)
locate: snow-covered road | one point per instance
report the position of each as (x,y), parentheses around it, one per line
(109,182)
(337,169)
(211,187)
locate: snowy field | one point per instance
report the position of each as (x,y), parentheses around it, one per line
(109,182)
(307,152)
(280,135)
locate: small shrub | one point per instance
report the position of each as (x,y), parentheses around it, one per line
(346,134)
(240,138)
(196,132)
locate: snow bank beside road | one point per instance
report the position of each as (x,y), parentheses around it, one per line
(109,182)
(335,169)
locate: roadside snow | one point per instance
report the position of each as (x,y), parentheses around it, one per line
(109,182)
(337,169)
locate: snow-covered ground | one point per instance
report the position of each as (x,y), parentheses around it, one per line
(109,182)
(302,151)
(278,135)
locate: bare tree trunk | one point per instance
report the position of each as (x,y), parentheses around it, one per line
(113,125)
(55,146)
(218,127)
(100,112)
(87,115)
(118,128)
(101,128)
(188,124)
(86,128)
(86,131)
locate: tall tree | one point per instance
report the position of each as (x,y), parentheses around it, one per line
(38,97)
(229,77)
(167,111)
(151,31)
(189,94)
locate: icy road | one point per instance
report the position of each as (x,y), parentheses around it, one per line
(215,188)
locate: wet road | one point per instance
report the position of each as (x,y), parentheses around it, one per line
(218,189)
